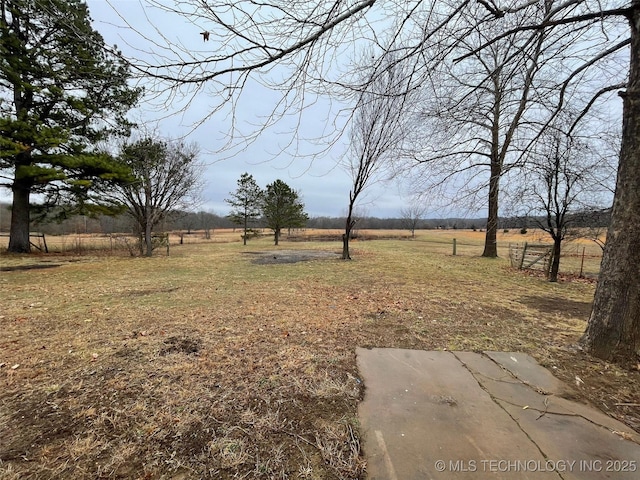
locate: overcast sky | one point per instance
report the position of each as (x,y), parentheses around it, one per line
(324,186)
(140,31)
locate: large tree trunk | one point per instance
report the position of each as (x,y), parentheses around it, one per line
(20,218)
(613,331)
(276,235)
(491,235)
(555,259)
(148,240)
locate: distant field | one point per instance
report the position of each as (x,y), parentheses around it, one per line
(223,361)
(468,243)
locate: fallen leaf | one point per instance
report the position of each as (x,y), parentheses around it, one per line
(15,366)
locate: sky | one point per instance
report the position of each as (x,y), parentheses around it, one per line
(324,186)
(143,32)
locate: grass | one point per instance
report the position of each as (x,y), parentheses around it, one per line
(205,363)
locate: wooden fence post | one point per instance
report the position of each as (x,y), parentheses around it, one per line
(524,251)
(454,247)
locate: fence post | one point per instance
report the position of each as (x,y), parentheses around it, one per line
(524,252)
(582,264)
(454,247)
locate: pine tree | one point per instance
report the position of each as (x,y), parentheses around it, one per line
(282,208)
(61,93)
(246,202)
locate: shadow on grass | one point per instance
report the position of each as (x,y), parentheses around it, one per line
(555,305)
(29,267)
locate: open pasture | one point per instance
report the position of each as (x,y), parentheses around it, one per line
(578,254)
(209,363)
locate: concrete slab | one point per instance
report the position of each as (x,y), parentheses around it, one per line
(462,415)
(527,370)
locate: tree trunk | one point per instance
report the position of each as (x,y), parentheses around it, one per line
(276,235)
(244,236)
(613,331)
(345,246)
(347,230)
(491,235)
(555,259)
(20,218)
(148,240)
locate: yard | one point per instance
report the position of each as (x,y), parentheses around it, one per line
(224,361)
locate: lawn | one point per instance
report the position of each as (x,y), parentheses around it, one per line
(224,361)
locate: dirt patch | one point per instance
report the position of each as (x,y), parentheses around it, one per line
(274,257)
(188,346)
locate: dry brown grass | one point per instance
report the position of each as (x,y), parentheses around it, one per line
(205,364)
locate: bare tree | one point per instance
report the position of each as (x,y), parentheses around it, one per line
(564,177)
(413,214)
(252,39)
(166,177)
(488,104)
(377,134)
(613,330)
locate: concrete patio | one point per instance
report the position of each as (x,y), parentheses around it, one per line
(463,415)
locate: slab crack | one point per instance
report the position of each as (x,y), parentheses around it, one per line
(540,391)
(497,401)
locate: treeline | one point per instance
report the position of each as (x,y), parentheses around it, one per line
(585,219)
(375,223)
(202,220)
(124,223)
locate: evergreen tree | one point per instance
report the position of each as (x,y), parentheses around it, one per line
(282,208)
(246,203)
(61,93)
